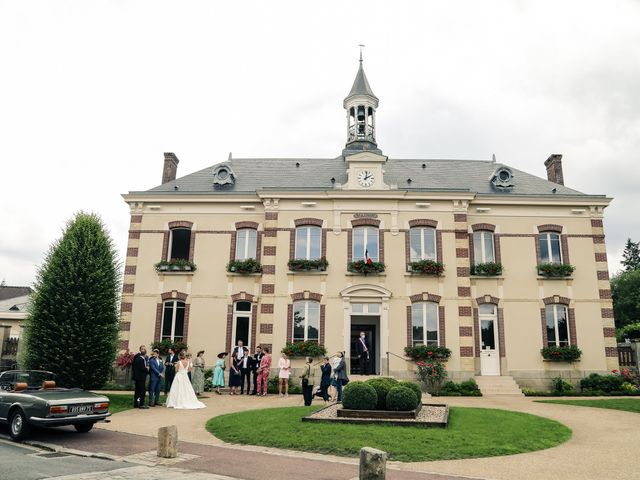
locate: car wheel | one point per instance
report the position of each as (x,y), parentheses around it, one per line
(19,427)
(83,427)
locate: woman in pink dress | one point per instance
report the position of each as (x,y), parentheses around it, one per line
(263,372)
(284,364)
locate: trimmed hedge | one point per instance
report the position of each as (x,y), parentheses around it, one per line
(401,399)
(604,383)
(359,396)
(382,387)
(468,388)
(413,386)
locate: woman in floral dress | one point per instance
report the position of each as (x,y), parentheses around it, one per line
(197,375)
(263,373)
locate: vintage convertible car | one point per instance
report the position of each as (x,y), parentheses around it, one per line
(31,398)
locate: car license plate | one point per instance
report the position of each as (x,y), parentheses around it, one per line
(81,409)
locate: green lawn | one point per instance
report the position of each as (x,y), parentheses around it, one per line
(626,404)
(121,402)
(472,432)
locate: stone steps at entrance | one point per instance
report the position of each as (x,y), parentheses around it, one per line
(498,385)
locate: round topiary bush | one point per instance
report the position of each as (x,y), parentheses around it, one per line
(413,386)
(401,399)
(359,396)
(382,387)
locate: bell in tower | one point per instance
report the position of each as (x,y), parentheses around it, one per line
(361,106)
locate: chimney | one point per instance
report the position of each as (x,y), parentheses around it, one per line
(554,168)
(170,167)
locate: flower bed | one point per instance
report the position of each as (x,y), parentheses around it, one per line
(427,352)
(561,354)
(365,267)
(302,265)
(489,269)
(426,267)
(304,349)
(555,269)
(250,265)
(175,265)
(431,374)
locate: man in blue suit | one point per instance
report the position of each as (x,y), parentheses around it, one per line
(156,371)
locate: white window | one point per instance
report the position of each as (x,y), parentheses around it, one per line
(173,321)
(550,251)
(488,319)
(365,308)
(557,325)
(242,323)
(179,244)
(424,319)
(423,243)
(306,321)
(308,243)
(246,243)
(365,243)
(483,249)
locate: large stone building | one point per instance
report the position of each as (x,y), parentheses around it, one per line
(361,205)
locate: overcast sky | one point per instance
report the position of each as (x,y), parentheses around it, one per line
(93,92)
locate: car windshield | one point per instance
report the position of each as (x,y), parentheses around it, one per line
(33,378)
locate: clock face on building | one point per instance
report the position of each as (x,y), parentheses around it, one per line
(365,178)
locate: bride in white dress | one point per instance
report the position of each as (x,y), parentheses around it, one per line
(181,395)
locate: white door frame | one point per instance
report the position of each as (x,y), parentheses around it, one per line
(489,359)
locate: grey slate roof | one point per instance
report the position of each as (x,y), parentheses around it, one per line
(7,292)
(361,84)
(297,174)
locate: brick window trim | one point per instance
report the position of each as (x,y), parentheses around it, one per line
(549,227)
(254,321)
(425,297)
(573,337)
(292,239)
(306,295)
(441,326)
(556,299)
(243,297)
(321,333)
(362,222)
(423,222)
(174,295)
(381,233)
(301,222)
(234,236)
(488,299)
(500,326)
(407,246)
(180,224)
(483,227)
(246,224)
(158,326)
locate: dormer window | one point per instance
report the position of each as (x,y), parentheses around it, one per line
(502,179)
(223,174)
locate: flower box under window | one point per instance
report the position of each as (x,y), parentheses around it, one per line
(303,265)
(489,269)
(309,348)
(555,270)
(570,353)
(175,265)
(426,267)
(365,267)
(427,352)
(245,267)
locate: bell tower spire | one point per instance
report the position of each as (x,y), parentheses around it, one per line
(361,105)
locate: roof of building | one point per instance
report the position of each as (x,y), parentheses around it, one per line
(7,292)
(295,174)
(361,84)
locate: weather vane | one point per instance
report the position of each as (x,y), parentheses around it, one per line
(361,47)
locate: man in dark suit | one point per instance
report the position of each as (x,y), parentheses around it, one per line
(156,372)
(362,349)
(246,366)
(170,369)
(257,358)
(139,372)
(240,352)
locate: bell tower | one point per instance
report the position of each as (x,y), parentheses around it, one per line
(361,105)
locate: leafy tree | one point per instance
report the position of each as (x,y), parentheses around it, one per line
(625,291)
(631,256)
(72,326)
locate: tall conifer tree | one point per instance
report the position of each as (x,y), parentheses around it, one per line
(631,256)
(72,326)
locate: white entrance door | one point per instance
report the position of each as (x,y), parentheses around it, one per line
(489,350)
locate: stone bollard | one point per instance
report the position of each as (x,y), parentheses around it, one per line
(168,442)
(373,464)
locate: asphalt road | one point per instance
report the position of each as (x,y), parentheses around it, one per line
(22,462)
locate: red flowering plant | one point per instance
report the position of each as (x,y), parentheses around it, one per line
(365,267)
(431,374)
(124,360)
(629,375)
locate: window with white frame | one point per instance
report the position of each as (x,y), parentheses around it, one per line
(246,243)
(308,242)
(487,316)
(306,321)
(365,243)
(423,243)
(242,322)
(180,244)
(424,320)
(483,247)
(550,251)
(557,325)
(173,321)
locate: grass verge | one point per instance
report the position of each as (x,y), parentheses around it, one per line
(626,404)
(120,402)
(472,432)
